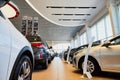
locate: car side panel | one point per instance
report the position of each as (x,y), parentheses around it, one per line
(18,43)
(110,58)
(5,48)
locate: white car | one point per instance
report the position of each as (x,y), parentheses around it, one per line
(105,57)
(16,55)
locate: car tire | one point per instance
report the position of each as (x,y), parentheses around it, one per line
(92,66)
(23,70)
(49,61)
(45,66)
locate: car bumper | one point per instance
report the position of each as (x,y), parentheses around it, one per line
(74,63)
(40,62)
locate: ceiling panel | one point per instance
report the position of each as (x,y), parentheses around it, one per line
(48,7)
(53,32)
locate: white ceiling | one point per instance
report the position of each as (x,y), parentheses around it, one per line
(67,12)
(59,20)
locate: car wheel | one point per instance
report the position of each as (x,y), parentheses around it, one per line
(23,70)
(92,66)
(45,66)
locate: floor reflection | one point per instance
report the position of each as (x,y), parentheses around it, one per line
(60,70)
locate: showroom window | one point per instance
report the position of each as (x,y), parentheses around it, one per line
(102,29)
(119,13)
(61,47)
(109,32)
(72,43)
(76,42)
(83,38)
(79,40)
(94,32)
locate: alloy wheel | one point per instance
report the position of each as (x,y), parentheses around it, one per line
(90,66)
(24,71)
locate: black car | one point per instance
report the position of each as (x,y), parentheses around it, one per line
(40,50)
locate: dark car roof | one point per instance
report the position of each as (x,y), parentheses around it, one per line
(33,38)
(36,38)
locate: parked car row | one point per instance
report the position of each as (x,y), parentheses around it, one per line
(104,57)
(75,51)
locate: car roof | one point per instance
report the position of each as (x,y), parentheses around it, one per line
(33,38)
(114,37)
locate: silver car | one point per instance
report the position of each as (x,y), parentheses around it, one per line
(105,57)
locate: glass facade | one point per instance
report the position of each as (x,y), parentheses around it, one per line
(119,15)
(109,32)
(101,30)
(93,32)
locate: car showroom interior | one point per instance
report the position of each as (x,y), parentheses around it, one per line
(59,40)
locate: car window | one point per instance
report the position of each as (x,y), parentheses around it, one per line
(33,38)
(45,44)
(115,41)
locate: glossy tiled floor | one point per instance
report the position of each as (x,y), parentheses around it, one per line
(60,70)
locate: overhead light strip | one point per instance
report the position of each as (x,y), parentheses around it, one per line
(72,14)
(72,19)
(82,14)
(70,7)
(64,19)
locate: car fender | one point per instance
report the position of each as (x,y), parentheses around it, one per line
(25,51)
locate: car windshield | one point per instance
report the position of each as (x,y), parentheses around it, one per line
(33,38)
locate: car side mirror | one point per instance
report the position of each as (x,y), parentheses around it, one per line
(106,44)
(50,47)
